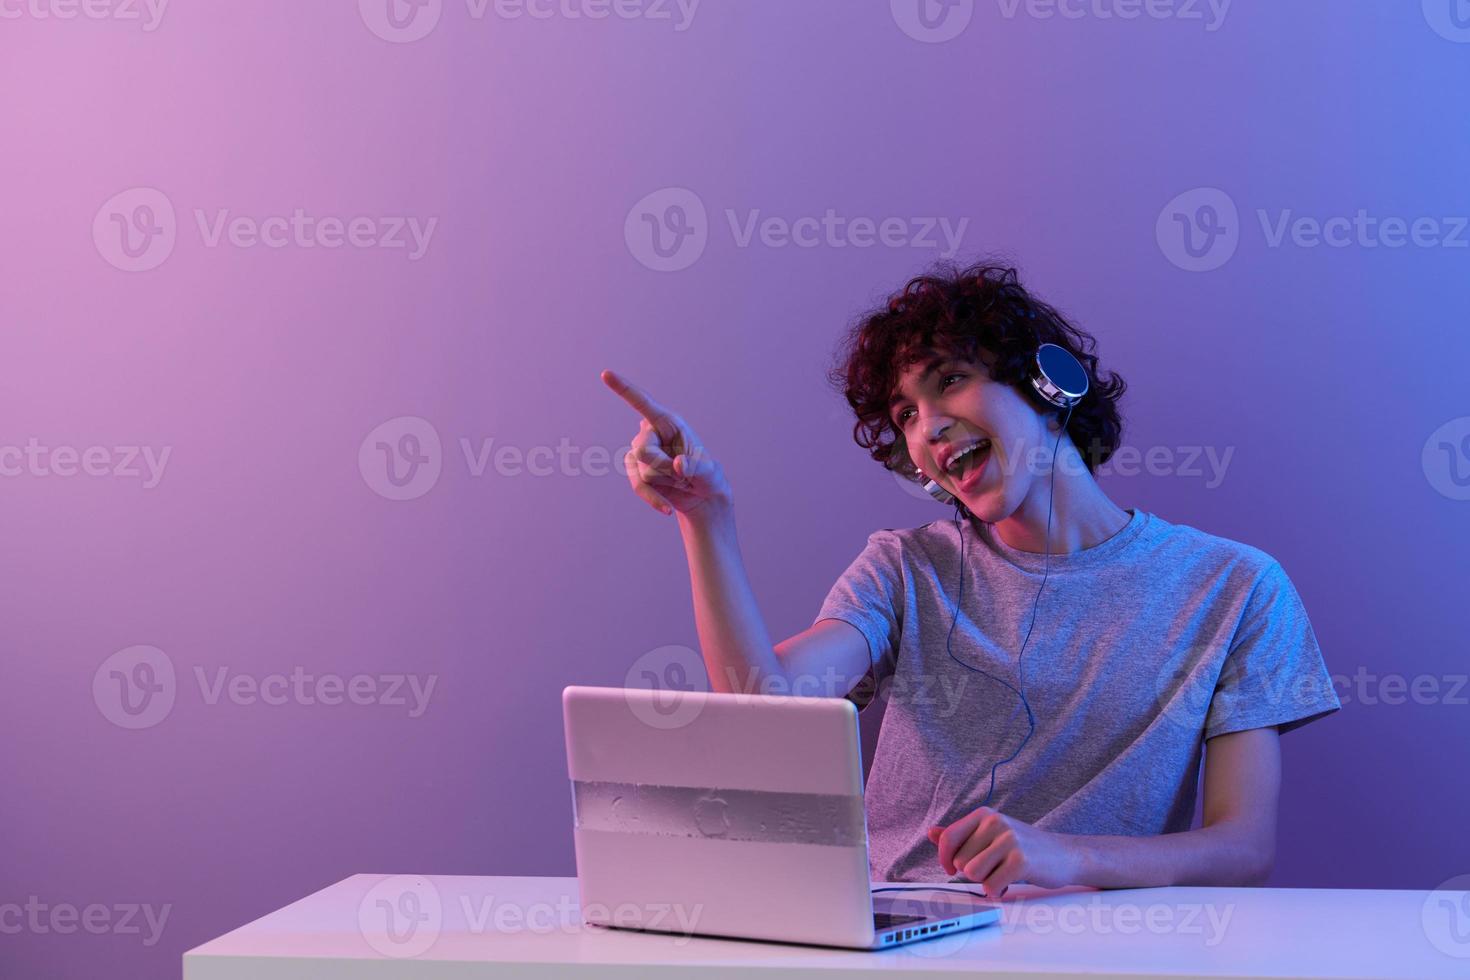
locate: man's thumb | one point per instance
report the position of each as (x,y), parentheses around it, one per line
(688,465)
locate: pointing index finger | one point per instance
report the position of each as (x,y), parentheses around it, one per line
(642,403)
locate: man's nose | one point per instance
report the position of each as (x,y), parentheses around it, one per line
(935,427)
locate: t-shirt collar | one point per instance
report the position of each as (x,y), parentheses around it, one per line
(1035,561)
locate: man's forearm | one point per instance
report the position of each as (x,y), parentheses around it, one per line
(733,639)
(1218,855)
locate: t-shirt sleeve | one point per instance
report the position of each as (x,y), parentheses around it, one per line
(869,595)
(1274,673)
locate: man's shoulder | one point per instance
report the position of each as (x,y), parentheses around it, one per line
(939,532)
(933,543)
(1185,543)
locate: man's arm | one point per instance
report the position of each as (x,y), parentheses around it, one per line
(1235,846)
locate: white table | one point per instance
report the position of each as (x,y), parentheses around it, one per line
(531,928)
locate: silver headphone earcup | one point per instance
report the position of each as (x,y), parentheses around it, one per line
(1058,377)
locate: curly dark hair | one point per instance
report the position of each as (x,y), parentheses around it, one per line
(959,312)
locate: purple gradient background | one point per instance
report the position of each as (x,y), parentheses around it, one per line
(263,548)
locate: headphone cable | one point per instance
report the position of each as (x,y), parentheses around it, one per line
(1035,603)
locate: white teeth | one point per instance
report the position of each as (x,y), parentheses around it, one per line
(953,465)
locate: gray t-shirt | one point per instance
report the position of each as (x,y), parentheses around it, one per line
(1145,645)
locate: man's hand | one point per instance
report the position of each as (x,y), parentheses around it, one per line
(1234,846)
(995,850)
(667,464)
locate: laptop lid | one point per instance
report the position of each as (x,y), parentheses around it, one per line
(719,814)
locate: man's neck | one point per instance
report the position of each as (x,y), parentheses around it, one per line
(1082,516)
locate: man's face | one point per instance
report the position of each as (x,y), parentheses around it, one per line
(944,404)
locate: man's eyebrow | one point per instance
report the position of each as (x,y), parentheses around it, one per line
(929,368)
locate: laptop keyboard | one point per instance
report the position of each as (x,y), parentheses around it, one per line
(886,920)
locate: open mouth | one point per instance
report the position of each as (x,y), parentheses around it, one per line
(965,468)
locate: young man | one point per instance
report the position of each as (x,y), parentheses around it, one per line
(1067,755)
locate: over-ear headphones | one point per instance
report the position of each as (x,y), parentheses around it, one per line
(1060,381)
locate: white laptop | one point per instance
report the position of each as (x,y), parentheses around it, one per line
(735,815)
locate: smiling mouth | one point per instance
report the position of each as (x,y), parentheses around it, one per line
(968,464)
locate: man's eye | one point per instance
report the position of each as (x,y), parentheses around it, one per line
(903,416)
